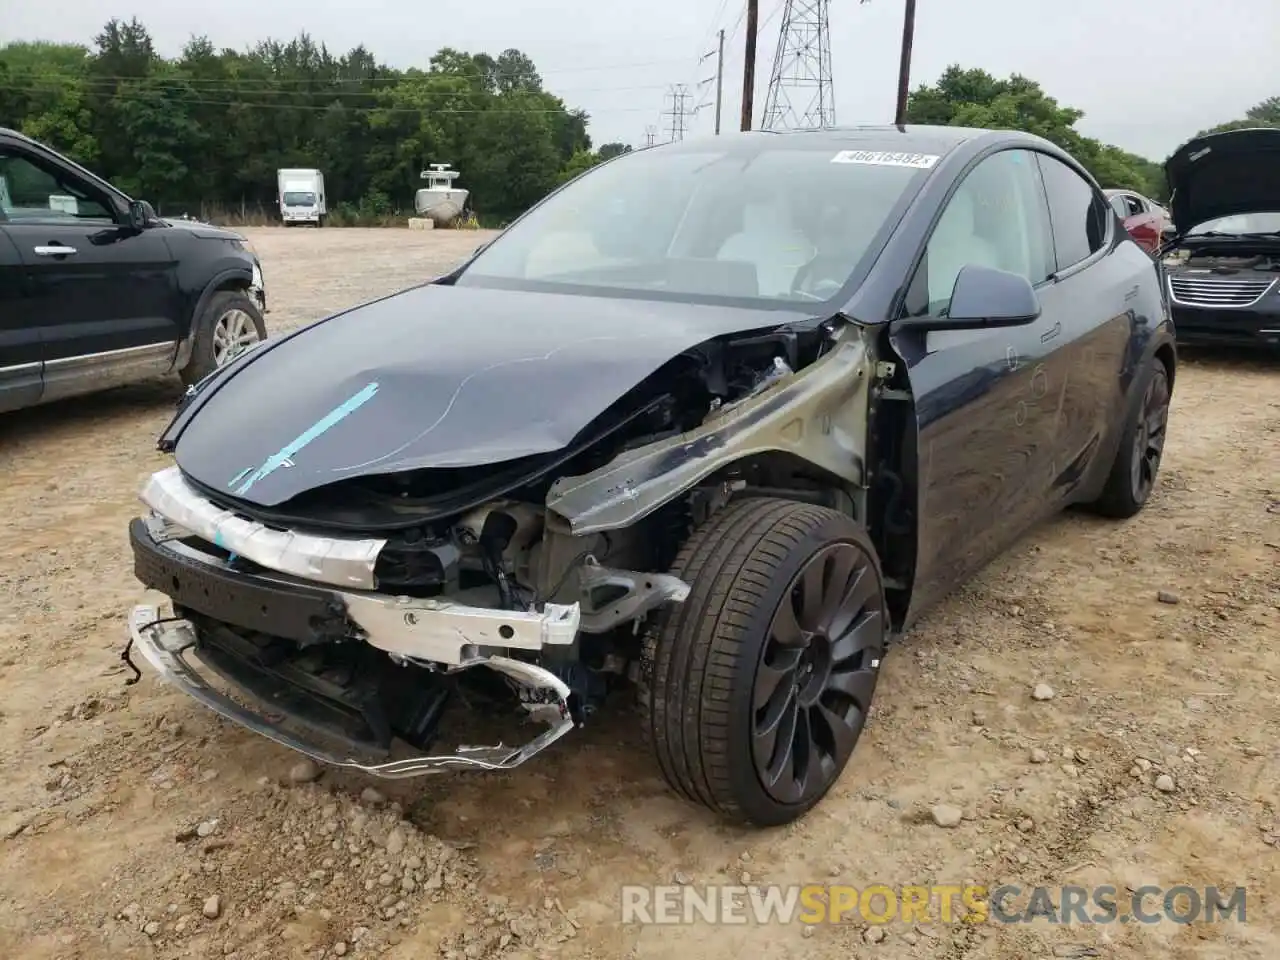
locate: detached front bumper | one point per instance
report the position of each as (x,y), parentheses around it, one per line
(314,587)
(167,646)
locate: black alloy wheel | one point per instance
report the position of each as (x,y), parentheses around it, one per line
(1148,437)
(1132,475)
(816,675)
(755,689)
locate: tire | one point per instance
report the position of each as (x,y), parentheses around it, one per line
(208,353)
(1137,464)
(705,658)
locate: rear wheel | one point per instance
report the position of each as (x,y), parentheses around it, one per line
(1137,464)
(759,684)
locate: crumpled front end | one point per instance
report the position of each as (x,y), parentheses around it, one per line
(281,632)
(347,621)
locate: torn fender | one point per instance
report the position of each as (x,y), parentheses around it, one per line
(818,415)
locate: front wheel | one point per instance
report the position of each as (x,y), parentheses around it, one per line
(230,324)
(758,685)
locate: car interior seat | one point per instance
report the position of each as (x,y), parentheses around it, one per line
(771,243)
(956,244)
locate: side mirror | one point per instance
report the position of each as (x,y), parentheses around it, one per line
(141,214)
(992,298)
(983,297)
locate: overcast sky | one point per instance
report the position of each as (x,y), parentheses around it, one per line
(1147,73)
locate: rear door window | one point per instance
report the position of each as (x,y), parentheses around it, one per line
(1077,210)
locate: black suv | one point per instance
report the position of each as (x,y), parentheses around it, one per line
(96,290)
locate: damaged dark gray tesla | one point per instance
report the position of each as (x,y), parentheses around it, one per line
(706,428)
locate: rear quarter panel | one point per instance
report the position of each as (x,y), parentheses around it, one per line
(1129,293)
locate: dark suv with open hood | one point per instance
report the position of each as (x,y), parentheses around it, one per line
(1223,262)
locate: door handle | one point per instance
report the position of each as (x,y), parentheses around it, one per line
(58,251)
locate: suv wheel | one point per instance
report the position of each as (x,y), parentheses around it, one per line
(759,684)
(229,325)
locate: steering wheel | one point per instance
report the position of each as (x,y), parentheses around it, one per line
(822,290)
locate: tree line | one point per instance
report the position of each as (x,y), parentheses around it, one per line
(211,127)
(974,98)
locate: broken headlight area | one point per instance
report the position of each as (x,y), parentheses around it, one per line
(357,621)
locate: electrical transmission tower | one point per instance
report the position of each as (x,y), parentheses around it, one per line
(650,132)
(679,110)
(800,94)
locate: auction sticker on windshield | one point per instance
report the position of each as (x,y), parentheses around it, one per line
(880,158)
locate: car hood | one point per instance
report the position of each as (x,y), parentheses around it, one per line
(436,376)
(1222,174)
(204,230)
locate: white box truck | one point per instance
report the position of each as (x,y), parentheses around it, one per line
(301,197)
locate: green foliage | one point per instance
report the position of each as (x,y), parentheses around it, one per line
(580,162)
(1264,114)
(211,127)
(610,150)
(974,98)
(584,160)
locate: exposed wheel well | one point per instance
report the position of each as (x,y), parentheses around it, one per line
(885,504)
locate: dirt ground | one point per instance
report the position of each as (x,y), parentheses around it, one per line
(135,824)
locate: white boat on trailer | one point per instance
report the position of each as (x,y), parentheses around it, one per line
(440,200)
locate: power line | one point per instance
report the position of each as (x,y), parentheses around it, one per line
(776,10)
(389,74)
(733,31)
(253,105)
(231,89)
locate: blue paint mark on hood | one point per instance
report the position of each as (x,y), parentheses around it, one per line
(316,430)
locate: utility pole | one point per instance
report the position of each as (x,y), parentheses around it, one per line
(719,81)
(679,94)
(749,65)
(904,64)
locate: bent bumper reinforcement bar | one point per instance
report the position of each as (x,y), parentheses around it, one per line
(166,645)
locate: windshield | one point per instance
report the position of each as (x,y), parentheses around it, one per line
(299,199)
(783,224)
(1240,224)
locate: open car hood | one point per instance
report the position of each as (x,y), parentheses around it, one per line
(1222,174)
(436,376)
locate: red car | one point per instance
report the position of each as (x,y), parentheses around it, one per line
(1145,219)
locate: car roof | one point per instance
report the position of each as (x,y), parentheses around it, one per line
(912,138)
